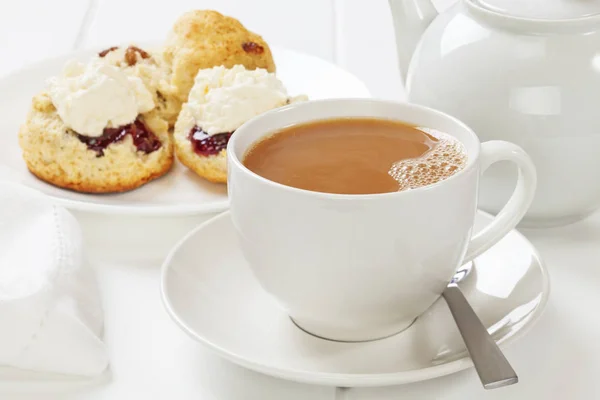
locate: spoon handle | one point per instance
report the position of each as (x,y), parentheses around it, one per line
(492,367)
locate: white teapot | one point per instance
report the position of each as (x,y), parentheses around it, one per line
(526,71)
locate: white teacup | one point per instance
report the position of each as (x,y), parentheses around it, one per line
(362,267)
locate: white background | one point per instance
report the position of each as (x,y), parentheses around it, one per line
(152,359)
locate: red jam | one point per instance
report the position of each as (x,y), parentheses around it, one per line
(208,145)
(143,138)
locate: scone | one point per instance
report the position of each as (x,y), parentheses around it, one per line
(221,100)
(206,39)
(96,130)
(152,69)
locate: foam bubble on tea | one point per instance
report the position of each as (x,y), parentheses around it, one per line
(443,160)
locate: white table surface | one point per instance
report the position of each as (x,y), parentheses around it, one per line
(152,359)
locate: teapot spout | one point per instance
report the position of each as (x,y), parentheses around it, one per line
(411,18)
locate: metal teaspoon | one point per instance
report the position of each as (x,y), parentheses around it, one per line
(490,363)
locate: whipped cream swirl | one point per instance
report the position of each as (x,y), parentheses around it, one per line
(93,96)
(222,99)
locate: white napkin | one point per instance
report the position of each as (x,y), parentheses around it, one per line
(50,313)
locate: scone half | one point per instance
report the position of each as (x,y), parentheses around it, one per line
(57,155)
(203,39)
(221,100)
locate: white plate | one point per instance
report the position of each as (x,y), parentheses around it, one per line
(180,192)
(210,292)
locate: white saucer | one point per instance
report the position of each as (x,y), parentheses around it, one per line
(210,292)
(178,193)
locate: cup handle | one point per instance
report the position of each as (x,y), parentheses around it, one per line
(516,207)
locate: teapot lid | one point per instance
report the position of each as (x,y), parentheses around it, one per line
(542,9)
